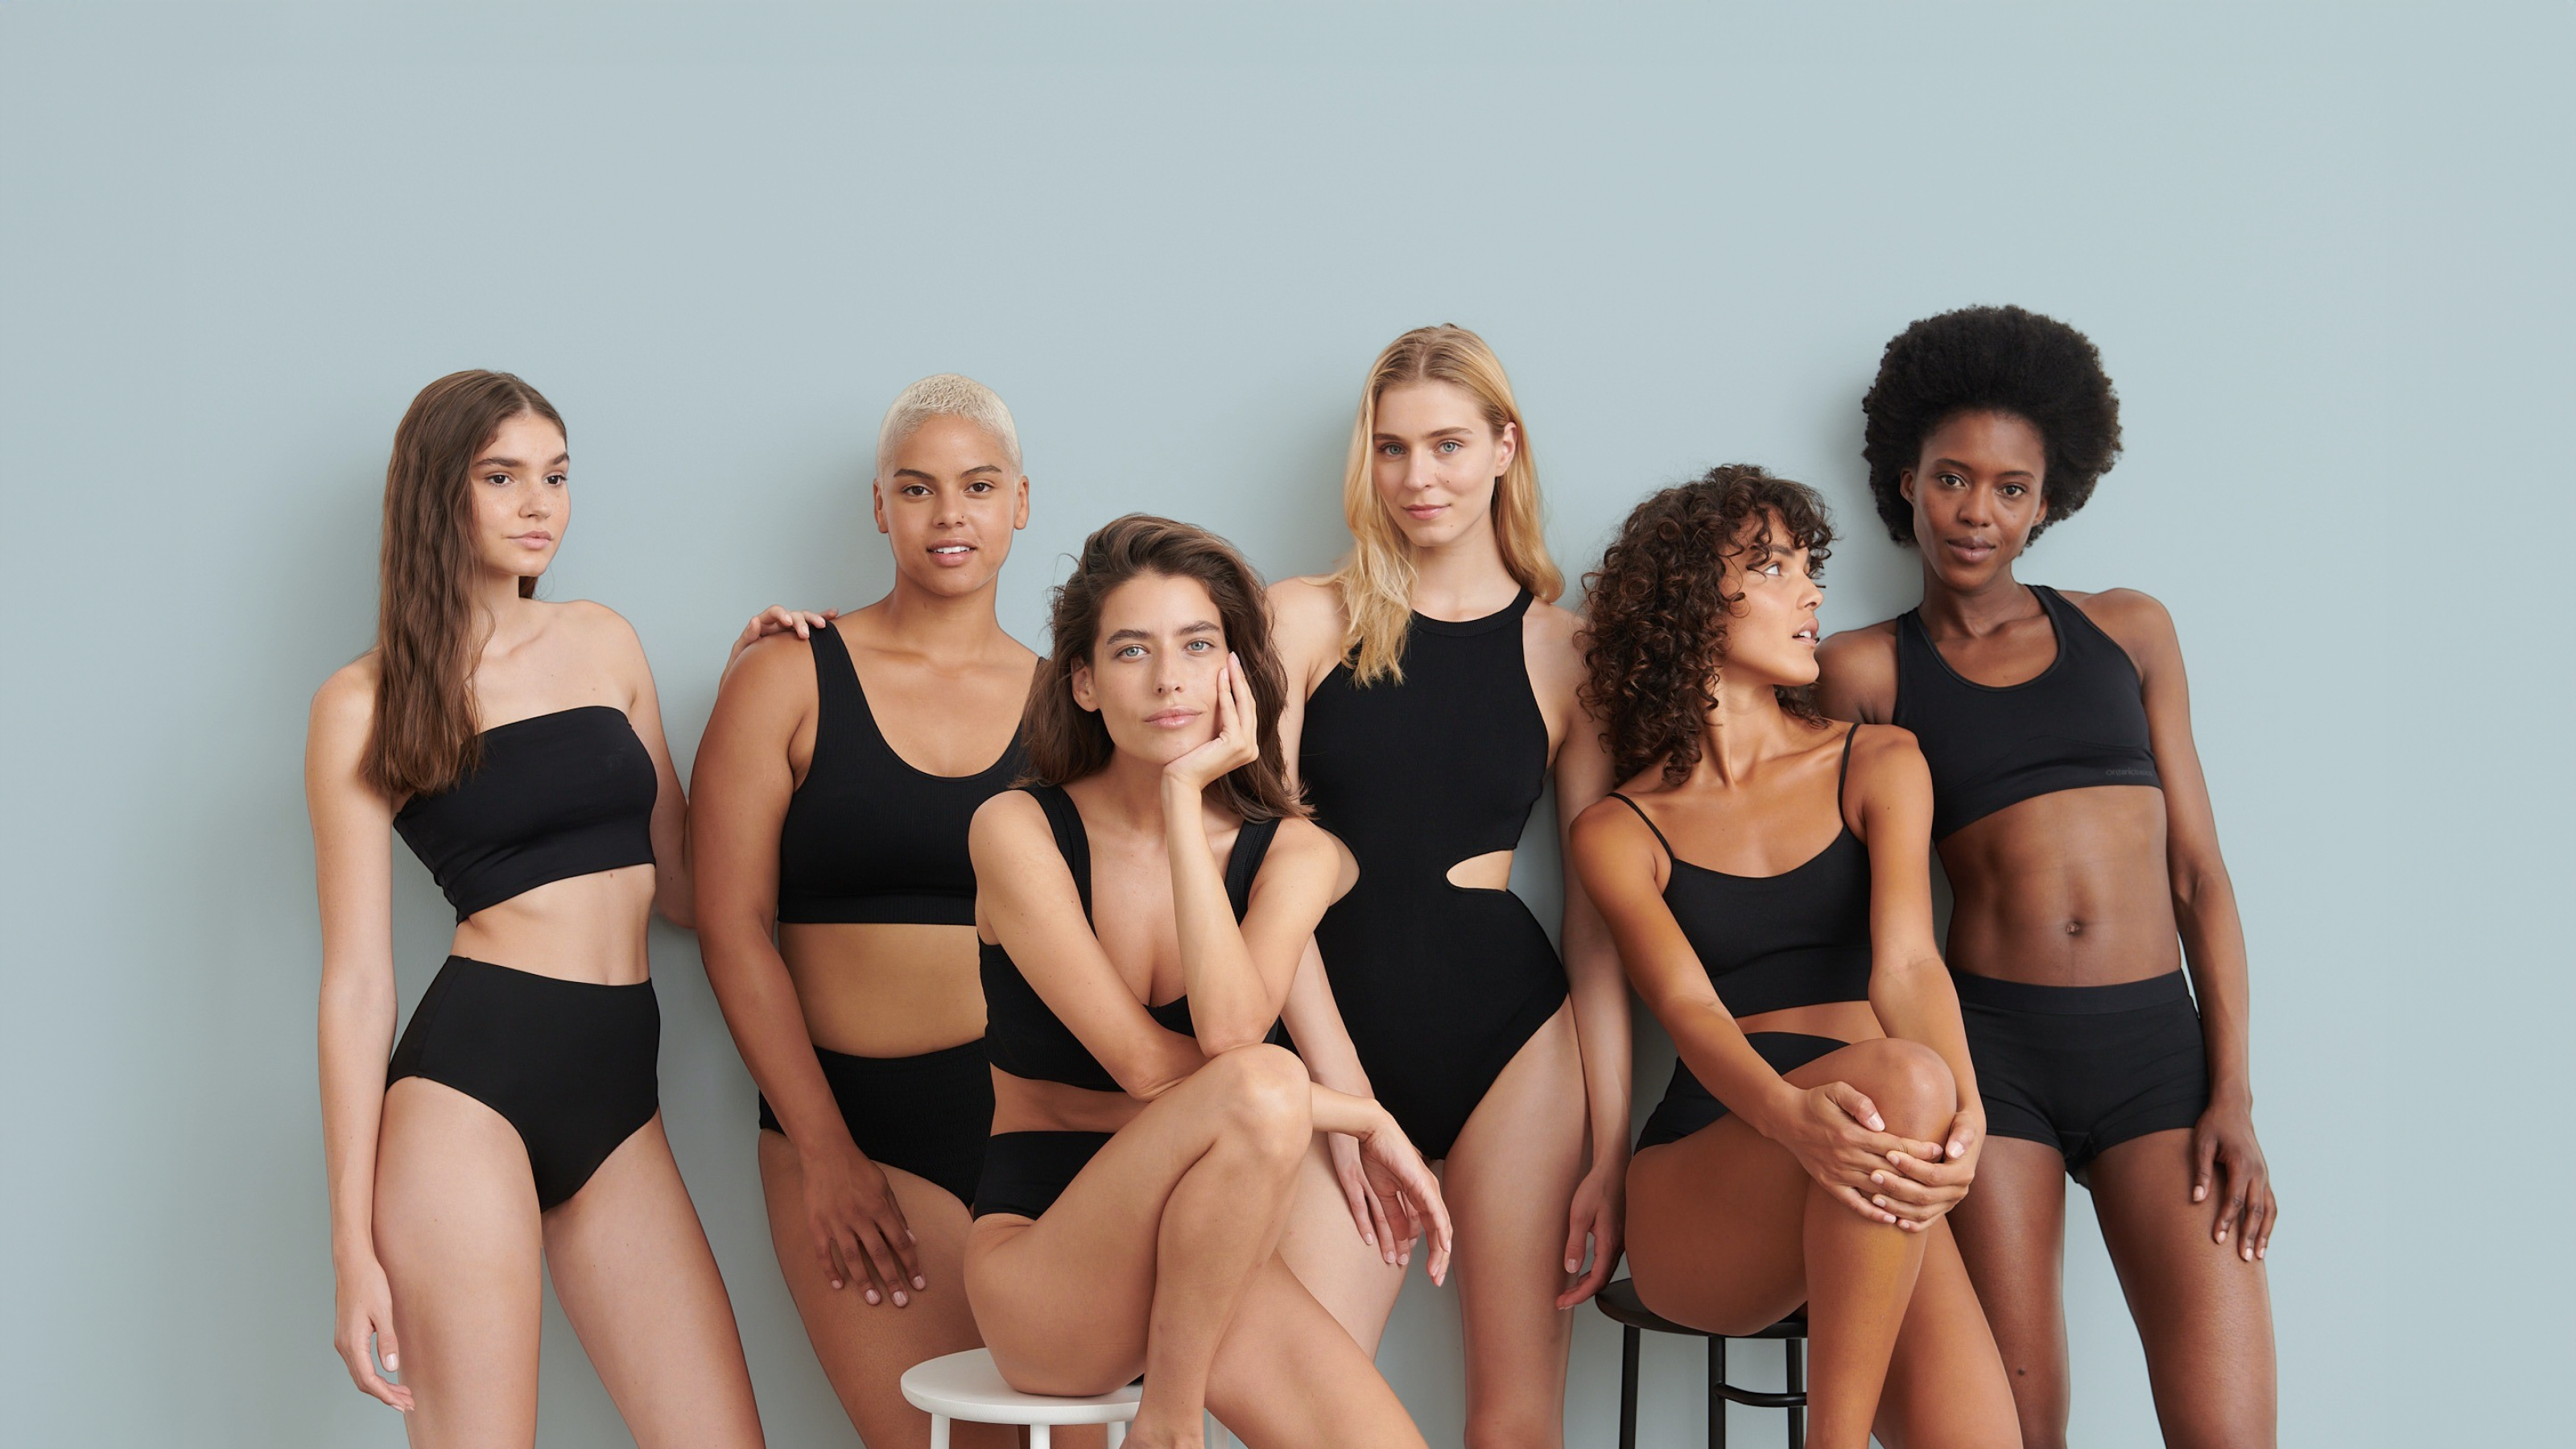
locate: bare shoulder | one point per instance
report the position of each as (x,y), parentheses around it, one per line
(345,705)
(1006,819)
(1301,841)
(2136,620)
(771,666)
(1887,765)
(1552,624)
(1307,612)
(1856,671)
(596,625)
(1870,644)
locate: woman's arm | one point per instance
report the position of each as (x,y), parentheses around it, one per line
(744,775)
(1025,899)
(2213,934)
(670,827)
(353,878)
(1833,1130)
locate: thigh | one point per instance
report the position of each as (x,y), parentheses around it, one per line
(1323,1247)
(2203,1313)
(633,1271)
(864,1349)
(458,1233)
(1509,1183)
(1286,1374)
(1717,1229)
(1945,1386)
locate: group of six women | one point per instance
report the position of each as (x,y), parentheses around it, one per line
(1147,1005)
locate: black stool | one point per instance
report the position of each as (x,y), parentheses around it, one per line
(1620,1303)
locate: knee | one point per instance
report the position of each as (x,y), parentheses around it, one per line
(1910,1084)
(1265,1099)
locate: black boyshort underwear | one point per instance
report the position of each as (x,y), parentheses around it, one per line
(929,1114)
(1025,1172)
(2085,1068)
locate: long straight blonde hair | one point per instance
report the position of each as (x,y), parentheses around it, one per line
(1376,580)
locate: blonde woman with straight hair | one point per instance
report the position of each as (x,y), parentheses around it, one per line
(1433,693)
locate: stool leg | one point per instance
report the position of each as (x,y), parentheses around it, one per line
(939,1431)
(1117,1435)
(1716,1400)
(1628,1337)
(1040,1436)
(1797,1351)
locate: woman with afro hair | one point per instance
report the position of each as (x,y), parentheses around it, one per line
(2075,828)
(1767,875)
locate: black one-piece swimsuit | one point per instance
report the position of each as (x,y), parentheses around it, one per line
(1440,985)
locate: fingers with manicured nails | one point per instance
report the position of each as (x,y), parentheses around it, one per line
(2271,1219)
(2231,1208)
(1861,1205)
(2204,1157)
(1855,1104)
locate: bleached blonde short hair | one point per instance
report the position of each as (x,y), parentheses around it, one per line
(947,395)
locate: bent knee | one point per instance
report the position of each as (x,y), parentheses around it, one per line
(1910,1083)
(1265,1096)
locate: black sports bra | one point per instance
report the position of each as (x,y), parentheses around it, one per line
(867,837)
(1770,942)
(1026,1039)
(556,796)
(2081,722)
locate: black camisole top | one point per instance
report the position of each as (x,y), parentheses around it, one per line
(1025,1038)
(2081,722)
(867,837)
(556,796)
(1770,942)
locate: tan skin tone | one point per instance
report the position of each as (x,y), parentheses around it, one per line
(438,1248)
(872,1254)
(1529,1195)
(1832,1186)
(2082,888)
(1162,1255)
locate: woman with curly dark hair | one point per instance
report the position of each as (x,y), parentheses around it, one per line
(2075,828)
(1823,1119)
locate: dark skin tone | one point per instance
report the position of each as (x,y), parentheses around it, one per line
(2085,888)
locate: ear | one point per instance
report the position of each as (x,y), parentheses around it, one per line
(1020,510)
(1905,485)
(1506,448)
(876,503)
(1082,691)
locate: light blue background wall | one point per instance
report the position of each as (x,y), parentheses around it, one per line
(2324,252)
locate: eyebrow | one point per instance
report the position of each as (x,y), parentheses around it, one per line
(497,462)
(969,473)
(2006,473)
(1139,636)
(1458,432)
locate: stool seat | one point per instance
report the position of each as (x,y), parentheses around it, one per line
(967,1386)
(1620,1304)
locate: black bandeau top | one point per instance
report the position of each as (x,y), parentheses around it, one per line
(555,796)
(867,837)
(1771,942)
(1026,1039)
(2081,722)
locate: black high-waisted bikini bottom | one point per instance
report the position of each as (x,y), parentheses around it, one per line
(929,1115)
(1025,1172)
(570,1064)
(1688,1106)
(2085,1068)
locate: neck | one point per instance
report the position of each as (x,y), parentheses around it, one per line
(496,603)
(1464,577)
(944,626)
(1746,728)
(1128,792)
(1998,601)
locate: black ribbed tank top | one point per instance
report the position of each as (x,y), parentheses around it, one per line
(2080,722)
(868,837)
(1025,1038)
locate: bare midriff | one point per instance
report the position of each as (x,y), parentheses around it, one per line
(1840,1020)
(2064,889)
(885,989)
(1021,1105)
(588,928)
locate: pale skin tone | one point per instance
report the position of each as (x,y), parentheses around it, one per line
(1829,1187)
(438,1248)
(872,1254)
(1161,1256)
(1539,1210)
(2081,888)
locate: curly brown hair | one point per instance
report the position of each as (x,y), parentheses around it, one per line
(1658,607)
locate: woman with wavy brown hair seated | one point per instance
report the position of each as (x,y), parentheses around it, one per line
(1766,873)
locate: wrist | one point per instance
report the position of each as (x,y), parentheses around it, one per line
(2234,1093)
(1778,1106)
(352,1254)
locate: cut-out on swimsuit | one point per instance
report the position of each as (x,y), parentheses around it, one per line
(1440,985)
(1768,943)
(868,837)
(2080,1068)
(569,1064)
(1025,1172)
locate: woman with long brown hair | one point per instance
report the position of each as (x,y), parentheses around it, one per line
(1143,903)
(1823,1118)
(2075,828)
(836,905)
(516,745)
(1433,694)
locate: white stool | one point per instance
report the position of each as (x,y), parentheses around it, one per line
(967,1386)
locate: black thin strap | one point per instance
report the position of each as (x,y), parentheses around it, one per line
(1071,839)
(1839,779)
(1650,823)
(1243,863)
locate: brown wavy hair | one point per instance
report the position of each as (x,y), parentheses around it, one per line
(1066,742)
(1658,607)
(424,739)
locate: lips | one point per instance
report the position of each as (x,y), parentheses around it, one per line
(1168,719)
(1426,511)
(1971,550)
(952,554)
